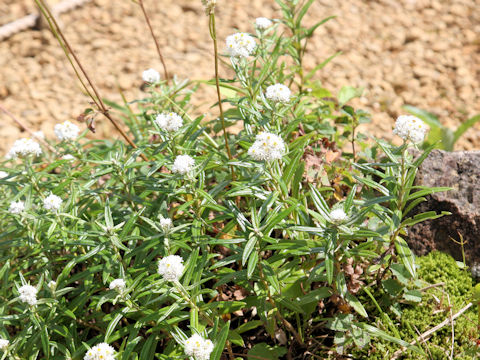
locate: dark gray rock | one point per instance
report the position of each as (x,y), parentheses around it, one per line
(461,171)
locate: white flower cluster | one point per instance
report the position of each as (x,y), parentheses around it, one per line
(66,131)
(411,128)
(209,6)
(338,216)
(28,294)
(183,164)
(169,121)
(24,147)
(4,344)
(278,93)
(171,267)
(198,347)
(240,45)
(118,285)
(165,223)
(16,207)
(151,76)
(263,23)
(52,202)
(267,147)
(3,174)
(102,351)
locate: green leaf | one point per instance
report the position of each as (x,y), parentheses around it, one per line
(376,332)
(406,255)
(356,304)
(464,127)
(413,295)
(426,116)
(111,326)
(220,342)
(252,241)
(263,351)
(252,264)
(348,93)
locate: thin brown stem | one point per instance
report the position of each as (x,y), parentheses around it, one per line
(97,98)
(213,34)
(27,129)
(147,19)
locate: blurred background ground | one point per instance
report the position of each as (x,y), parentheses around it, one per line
(420,52)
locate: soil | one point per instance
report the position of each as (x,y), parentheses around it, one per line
(420,52)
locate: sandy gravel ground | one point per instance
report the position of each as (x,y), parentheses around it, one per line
(420,52)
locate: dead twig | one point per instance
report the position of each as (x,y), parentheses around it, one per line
(75,62)
(147,19)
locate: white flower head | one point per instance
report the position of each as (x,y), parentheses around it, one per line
(151,76)
(3,174)
(209,6)
(68,157)
(117,285)
(278,93)
(102,351)
(171,267)
(52,202)
(240,45)
(4,344)
(165,223)
(28,294)
(52,285)
(411,128)
(338,216)
(267,147)
(39,135)
(198,347)
(66,131)
(169,121)
(263,23)
(16,207)
(24,147)
(183,164)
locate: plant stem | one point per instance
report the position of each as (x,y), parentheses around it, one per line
(213,34)
(147,19)
(69,51)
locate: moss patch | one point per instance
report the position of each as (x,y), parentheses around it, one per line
(434,268)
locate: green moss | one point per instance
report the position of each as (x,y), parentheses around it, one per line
(434,268)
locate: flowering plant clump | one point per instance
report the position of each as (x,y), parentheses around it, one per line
(278,93)
(117,285)
(338,216)
(28,294)
(169,121)
(101,351)
(24,147)
(267,147)
(171,267)
(198,347)
(240,45)
(4,344)
(52,202)
(263,23)
(282,235)
(151,76)
(411,128)
(183,164)
(16,207)
(66,131)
